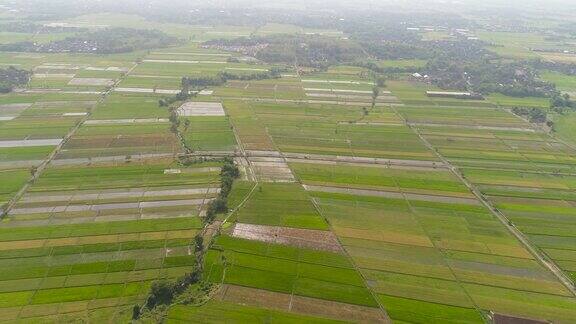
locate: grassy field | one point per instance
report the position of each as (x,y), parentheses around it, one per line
(565,127)
(514,45)
(218,312)
(12,181)
(339,130)
(208,133)
(284,269)
(503,100)
(440,258)
(562,81)
(281,205)
(435,182)
(527,175)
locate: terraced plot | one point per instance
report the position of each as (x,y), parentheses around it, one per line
(86,238)
(123,126)
(278,89)
(286,271)
(327,129)
(526,175)
(434,183)
(439,258)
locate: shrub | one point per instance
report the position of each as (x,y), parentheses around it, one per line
(161,293)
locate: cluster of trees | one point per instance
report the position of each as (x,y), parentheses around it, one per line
(390,50)
(105,41)
(163,292)
(385,49)
(305,50)
(562,102)
(167,101)
(191,85)
(199,83)
(562,67)
(385,35)
(486,74)
(273,73)
(12,77)
(374,67)
(534,115)
(228,174)
(460,63)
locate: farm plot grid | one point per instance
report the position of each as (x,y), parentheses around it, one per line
(514,165)
(323,280)
(123,126)
(86,240)
(350,215)
(123,140)
(69,77)
(325,129)
(452,257)
(286,88)
(441,258)
(528,176)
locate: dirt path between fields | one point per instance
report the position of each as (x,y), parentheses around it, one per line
(394,195)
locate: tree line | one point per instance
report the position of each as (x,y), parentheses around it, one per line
(304,50)
(105,41)
(164,292)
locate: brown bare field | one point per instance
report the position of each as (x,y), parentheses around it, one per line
(507,319)
(314,239)
(301,305)
(10,313)
(256,297)
(201,109)
(353,313)
(394,195)
(272,169)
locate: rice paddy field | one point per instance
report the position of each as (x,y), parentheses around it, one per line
(86,240)
(523,172)
(111,210)
(349,208)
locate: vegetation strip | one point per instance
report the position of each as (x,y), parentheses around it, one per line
(191,288)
